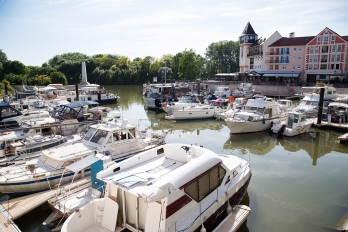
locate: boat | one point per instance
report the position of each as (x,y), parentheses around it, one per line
(336,113)
(285,105)
(195,112)
(309,105)
(295,124)
(244,90)
(45,172)
(258,115)
(222,91)
(161,93)
(330,92)
(14,151)
(9,116)
(30,114)
(343,138)
(166,189)
(235,106)
(187,100)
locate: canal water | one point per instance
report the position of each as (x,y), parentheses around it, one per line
(298,184)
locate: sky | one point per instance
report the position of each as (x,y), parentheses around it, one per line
(33,31)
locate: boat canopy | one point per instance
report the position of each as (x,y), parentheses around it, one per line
(80,103)
(83,163)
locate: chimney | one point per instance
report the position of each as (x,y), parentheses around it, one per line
(292,35)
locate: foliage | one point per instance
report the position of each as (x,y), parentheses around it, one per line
(189,65)
(10,90)
(58,78)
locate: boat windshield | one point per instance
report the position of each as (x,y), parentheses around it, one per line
(89,134)
(311,103)
(99,137)
(187,99)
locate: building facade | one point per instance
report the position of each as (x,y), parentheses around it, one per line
(304,59)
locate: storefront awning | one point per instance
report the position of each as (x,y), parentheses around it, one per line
(281,74)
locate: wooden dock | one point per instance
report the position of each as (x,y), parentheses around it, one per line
(340,126)
(17,207)
(234,220)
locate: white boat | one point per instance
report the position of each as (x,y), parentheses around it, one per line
(33,113)
(235,106)
(31,147)
(243,90)
(174,187)
(222,91)
(44,173)
(309,105)
(285,105)
(9,116)
(343,138)
(295,124)
(195,112)
(187,100)
(258,115)
(329,91)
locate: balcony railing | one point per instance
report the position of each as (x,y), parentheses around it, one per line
(277,61)
(254,54)
(272,53)
(323,60)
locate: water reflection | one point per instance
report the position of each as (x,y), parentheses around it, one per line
(129,94)
(259,143)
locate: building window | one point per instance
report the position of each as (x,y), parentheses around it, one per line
(333,48)
(325,49)
(338,58)
(310,67)
(299,49)
(318,39)
(293,67)
(323,58)
(298,66)
(316,49)
(323,66)
(326,38)
(299,58)
(271,67)
(294,58)
(316,58)
(284,66)
(337,66)
(294,49)
(276,67)
(314,66)
(332,66)
(311,50)
(339,48)
(332,58)
(333,37)
(311,58)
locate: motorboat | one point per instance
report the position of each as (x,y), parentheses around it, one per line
(31,147)
(330,92)
(244,90)
(195,112)
(337,112)
(174,187)
(31,113)
(45,172)
(309,105)
(295,124)
(258,115)
(235,106)
(285,105)
(9,116)
(187,100)
(222,91)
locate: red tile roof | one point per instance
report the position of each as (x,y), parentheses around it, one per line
(285,41)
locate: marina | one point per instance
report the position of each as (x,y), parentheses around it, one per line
(291,188)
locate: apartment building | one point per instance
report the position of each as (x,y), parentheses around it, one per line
(307,59)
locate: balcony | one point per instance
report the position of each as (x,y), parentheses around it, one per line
(323,60)
(272,53)
(255,54)
(277,61)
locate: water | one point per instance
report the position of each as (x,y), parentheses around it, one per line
(298,184)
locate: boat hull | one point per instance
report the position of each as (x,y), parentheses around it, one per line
(107,101)
(239,127)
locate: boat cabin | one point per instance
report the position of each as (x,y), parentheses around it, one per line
(74,110)
(295,120)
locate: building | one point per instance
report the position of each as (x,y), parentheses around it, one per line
(305,59)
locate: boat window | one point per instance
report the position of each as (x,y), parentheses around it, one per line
(6,112)
(303,119)
(89,134)
(290,121)
(314,103)
(99,137)
(206,184)
(116,136)
(123,135)
(261,110)
(250,118)
(296,118)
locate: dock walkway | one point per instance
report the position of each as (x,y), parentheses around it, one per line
(234,220)
(17,207)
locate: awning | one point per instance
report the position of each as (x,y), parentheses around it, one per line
(281,74)
(226,74)
(83,163)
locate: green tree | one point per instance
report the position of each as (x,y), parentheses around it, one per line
(225,55)
(189,65)
(58,78)
(3,57)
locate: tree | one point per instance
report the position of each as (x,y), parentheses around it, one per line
(189,65)
(225,55)
(58,78)
(3,57)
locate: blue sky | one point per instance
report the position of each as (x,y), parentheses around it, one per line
(33,31)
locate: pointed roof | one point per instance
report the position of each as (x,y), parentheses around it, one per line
(248,30)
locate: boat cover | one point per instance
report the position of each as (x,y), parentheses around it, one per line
(83,163)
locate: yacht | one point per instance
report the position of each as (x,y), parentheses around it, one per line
(330,92)
(244,90)
(235,106)
(295,124)
(309,105)
(258,115)
(195,112)
(173,187)
(187,100)
(222,91)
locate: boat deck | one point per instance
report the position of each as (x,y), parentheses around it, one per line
(17,207)
(234,220)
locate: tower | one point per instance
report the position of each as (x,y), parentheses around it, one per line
(84,74)
(247,38)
